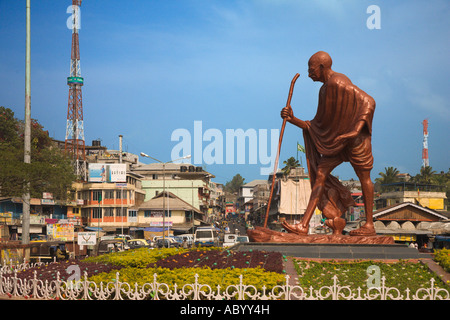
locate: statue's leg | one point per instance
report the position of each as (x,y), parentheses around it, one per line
(367,190)
(316,193)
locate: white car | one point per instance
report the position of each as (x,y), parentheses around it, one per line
(205,236)
(231,239)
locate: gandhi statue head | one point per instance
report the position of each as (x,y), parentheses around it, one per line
(319,66)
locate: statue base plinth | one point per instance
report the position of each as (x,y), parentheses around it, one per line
(268,236)
(338,247)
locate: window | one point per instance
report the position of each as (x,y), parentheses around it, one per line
(109,194)
(154,176)
(132,213)
(96,194)
(121,212)
(96,213)
(119,194)
(75,210)
(85,212)
(109,212)
(156,213)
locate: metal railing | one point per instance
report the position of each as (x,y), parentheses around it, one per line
(83,289)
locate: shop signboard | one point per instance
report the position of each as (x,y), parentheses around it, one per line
(87,238)
(61,231)
(160,223)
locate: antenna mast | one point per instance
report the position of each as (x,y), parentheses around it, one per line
(75,143)
(425,159)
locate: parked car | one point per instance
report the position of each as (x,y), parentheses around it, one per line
(109,246)
(166,243)
(232,239)
(229,239)
(189,239)
(205,236)
(138,243)
(242,239)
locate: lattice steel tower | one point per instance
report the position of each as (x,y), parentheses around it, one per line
(74,143)
(425,159)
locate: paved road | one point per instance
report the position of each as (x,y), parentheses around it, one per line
(235,225)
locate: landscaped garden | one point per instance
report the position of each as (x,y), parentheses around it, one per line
(215,267)
(401,275)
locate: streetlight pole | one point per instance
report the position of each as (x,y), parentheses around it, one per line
(27,133)
(164,185)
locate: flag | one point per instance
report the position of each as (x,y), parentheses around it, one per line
(300,148)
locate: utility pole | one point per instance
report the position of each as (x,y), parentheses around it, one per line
(27,135)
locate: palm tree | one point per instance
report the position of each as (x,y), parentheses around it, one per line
(290,164)
(388,176)
(426,175)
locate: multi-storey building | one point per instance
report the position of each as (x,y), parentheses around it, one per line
(190,183)
(426,195)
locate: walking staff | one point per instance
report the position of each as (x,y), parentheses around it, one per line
(288,105)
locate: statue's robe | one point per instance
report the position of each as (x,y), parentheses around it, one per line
(341,106)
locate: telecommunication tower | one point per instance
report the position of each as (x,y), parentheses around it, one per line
(74,143)
(425,159)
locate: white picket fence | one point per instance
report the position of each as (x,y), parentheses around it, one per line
(83,289)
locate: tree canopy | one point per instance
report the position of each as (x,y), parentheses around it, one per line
(50,169)
(290,164)
(235,183)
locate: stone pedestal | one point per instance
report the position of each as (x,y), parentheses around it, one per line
(266,235)
(327,246)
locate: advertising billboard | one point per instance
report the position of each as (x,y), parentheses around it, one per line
(107,172)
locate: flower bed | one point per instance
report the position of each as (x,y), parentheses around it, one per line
(66,269)
(401,275)
(138,258)
(214,266)
(257,277)
(270,261)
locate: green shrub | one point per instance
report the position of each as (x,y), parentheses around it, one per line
(402,274)
(138,258)
(442,257)
(257,277)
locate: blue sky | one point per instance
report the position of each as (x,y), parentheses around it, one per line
(151,67)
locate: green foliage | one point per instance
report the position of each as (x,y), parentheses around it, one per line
(138,267)
(290,164)
(401,275)
(181,276)
(388,176)
(139,258)
(50,169)
(442,257)
(235,183)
